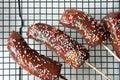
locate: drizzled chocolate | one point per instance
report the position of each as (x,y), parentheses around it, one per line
(33,62)
(112,23)
(67,48)
(88,27)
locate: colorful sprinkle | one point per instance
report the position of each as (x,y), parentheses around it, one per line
(21,49)
(95,20)
(85,18)
(73,24)
(118,20)
(79,22)
(118,25)
(36,34)
(18,42)
(14,40)
(84,26)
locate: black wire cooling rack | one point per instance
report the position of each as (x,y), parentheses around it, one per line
(49,12)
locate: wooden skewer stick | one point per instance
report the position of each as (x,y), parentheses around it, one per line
(108,78)
(113,54)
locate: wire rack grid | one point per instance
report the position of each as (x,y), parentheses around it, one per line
(49,12)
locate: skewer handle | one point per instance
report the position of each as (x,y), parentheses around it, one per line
(98,71)
(113,54)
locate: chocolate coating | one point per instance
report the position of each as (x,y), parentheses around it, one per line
(33,62)
(93,32)
(68,49)
(112,23)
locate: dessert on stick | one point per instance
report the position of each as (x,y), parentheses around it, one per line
(33,62)
(59,42)
(112,23)
(93,32)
